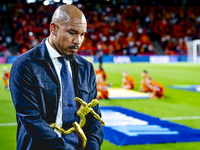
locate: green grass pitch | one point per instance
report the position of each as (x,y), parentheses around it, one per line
(176,103)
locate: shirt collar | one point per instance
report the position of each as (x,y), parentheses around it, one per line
(52,52)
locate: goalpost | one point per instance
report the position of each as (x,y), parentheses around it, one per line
(193,51)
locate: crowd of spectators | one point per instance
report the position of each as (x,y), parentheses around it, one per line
(114,30)
(4,41)
(30,23)
(173,26)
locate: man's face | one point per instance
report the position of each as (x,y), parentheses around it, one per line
(124,74)
(5,71)
(99,78)
(70,36)
(143,74)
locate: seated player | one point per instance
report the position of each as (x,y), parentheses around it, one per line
(6,76)
(128,81)
(157,89)
(100,71)
(143,86)
(102,91)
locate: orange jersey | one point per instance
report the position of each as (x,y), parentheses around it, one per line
(103,74)
(144,85)
(101,84)
(161,89)
(129,80)
(7,75)
(102,93)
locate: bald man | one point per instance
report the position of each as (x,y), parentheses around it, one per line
(44,81)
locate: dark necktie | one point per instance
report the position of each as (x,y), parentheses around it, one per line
(69,107)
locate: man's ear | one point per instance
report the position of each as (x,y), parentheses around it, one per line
(54,28)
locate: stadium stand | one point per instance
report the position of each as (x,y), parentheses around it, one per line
(116,30)
(3,44)
(30,23)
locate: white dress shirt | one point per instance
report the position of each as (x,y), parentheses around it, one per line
(57,64)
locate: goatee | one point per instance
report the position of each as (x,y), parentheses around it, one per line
(69,57)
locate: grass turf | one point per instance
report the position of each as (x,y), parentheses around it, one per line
(176,102)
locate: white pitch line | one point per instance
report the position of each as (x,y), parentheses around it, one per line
(7,124)
(181,118)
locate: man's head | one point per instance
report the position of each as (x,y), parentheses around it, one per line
(144,73)
(67,29)
(5,70)
(99,78)
(99,68)
(125,73)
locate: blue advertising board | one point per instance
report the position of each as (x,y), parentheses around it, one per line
(130,59)
(123,59)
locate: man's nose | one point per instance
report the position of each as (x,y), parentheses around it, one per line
(78,40)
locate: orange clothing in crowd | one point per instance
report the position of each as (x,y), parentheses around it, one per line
(102,92)
(159,90)
(103,74)
(144,39)
(6,76)
(129,80)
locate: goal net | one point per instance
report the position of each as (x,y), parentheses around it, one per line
(193,51)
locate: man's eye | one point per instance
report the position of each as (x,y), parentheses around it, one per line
(72,33)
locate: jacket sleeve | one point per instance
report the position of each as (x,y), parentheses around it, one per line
(93,128)
(28,107)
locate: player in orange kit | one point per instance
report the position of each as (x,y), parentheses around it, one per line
(143,86)
(100,71)
(102,92)
(6,76)
(128,81)
(157,89)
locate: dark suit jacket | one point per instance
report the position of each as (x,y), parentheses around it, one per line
(35,91)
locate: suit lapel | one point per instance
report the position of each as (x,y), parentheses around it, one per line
(42,54)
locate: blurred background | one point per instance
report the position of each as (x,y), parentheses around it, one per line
(118,27)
